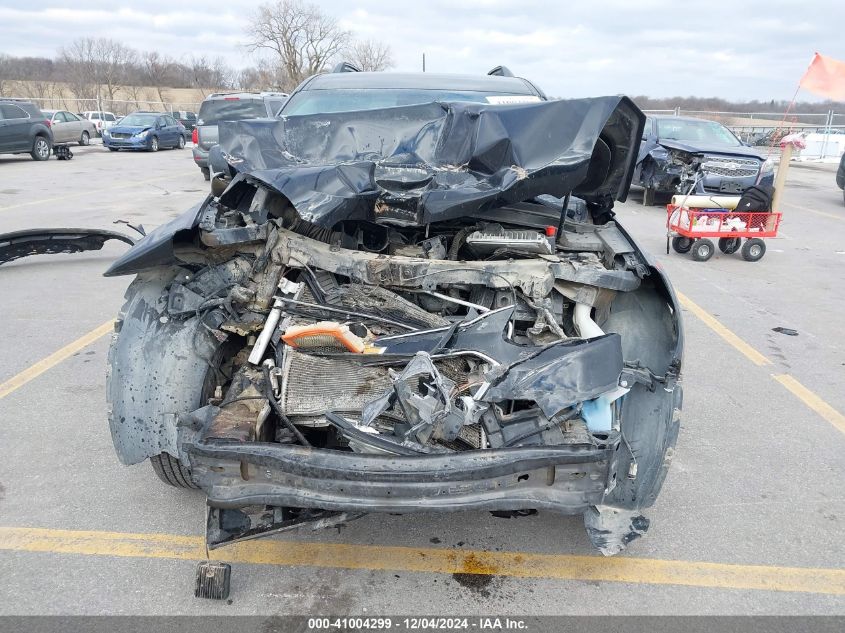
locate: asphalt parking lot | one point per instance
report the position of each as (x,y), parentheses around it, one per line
(751,519)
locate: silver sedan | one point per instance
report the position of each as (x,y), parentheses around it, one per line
(70,128)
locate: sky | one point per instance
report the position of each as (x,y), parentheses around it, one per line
(738,50)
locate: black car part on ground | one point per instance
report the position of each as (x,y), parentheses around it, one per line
(378,315)
(50,241)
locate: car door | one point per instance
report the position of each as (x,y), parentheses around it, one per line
(162,132)
(4,137)
(74,126)
(59,125)
(16,128)
(173,130)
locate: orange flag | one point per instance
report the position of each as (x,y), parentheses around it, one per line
(825,77)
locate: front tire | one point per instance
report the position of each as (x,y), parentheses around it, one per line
(172,471)
(181,144)
(85,139)
(41,148)
(154,144)
(647,180)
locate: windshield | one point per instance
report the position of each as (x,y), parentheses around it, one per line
(346,100)
(139,120)
(696,131)
(230,109)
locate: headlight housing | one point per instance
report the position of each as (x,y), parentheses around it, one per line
(768,167)
(143,134)
(105,133)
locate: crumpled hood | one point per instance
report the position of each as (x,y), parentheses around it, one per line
(712,148)
(417,164)
(129,129)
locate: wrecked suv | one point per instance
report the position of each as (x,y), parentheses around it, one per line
(415,303)
(684,154)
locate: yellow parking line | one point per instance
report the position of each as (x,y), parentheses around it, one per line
(809,210)
(812,400)
(15,382)
(710,321)
(80,194)
(793,386)
(432,560)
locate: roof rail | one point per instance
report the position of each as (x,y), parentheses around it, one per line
(501,71)
(346,67)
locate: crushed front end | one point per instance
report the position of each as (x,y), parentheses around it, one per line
(431,325)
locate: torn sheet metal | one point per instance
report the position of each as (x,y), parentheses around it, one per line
(20,244)
(560,375)
(439,161)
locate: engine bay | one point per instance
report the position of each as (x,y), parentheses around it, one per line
(383,338)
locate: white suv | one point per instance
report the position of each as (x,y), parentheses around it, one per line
(102,120)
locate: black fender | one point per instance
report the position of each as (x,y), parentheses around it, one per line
(39,129)
(156,248)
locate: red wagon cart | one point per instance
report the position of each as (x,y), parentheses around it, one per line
(693,230)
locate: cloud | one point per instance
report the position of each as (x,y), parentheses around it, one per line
(754,49)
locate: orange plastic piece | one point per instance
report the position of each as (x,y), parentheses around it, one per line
(323,334)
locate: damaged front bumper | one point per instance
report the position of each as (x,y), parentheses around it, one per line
(256,490)
(565,479)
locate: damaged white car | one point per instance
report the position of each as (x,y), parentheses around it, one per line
(412,296)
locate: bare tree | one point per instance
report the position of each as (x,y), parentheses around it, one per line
(222,76)
(302,39)
(77,68)
(263,76)
(5,72)
(93,63)
(135,93)
(111,60)
(369,55)
(207,76)
(157,71)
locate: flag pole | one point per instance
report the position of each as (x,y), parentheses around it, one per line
(785,156)
(780,178)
